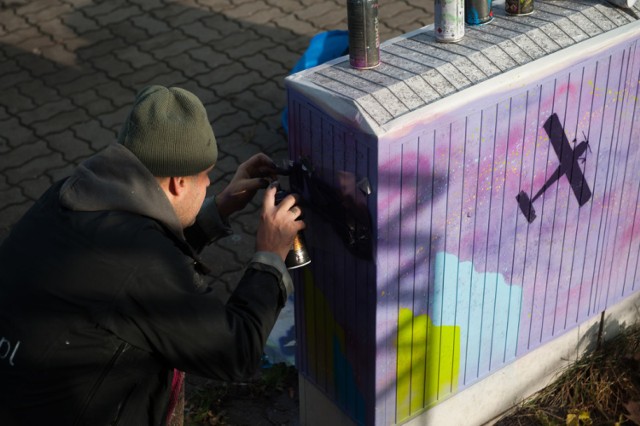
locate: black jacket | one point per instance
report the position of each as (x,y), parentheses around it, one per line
(101,296)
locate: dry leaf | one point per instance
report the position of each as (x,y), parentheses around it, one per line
(633,408)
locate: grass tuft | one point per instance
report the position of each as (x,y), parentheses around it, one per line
(601,388)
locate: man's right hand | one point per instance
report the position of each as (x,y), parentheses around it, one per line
(278,225)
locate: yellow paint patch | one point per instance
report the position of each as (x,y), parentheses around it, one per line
(428,363)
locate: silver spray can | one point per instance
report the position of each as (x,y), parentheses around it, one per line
(449,20)
(364,36)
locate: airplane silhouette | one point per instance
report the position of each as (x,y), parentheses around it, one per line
(568,166)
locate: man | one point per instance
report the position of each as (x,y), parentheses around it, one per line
(102,293)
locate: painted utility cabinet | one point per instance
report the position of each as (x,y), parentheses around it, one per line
(467,203)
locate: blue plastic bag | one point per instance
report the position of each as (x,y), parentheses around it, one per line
(322,48)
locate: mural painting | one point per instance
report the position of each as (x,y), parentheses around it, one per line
(493,271)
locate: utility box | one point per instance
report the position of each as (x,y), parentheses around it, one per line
(468,204)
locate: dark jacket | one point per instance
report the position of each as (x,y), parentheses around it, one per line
(101,296)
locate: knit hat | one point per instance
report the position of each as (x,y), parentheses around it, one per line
(168,130)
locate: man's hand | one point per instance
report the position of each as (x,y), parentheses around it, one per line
(254,174)
(278,225)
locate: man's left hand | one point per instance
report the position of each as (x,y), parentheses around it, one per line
(254,174)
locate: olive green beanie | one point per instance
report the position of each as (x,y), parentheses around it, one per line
(168,130)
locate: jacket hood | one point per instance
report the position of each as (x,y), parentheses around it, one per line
(114,179)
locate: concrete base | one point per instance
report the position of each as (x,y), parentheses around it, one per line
(316,409)
(485,402)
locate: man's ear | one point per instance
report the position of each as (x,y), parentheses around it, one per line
(176,185)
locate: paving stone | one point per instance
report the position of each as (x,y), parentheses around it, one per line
(92,103)
(4,145)
(175,48)
(238,83)
(14,38)
(10,21)
(317,10)
(81,83)
(9,66)
(15,101)
(56,29)
(187,64)
(334,19)
(100,48)
(221,74)
(265,17)
(251,48)
(34,167)
(33,6)
(39,92)
(60,55)
(23,154)
(258,108)
(115,92)
(77,44)
(52,11)
(118,15)
(106,130)
(59,173)
(150,24)
(139,78)
(211,57)
(284,56)
(17,135)
(246,10)
(294,24)
(388,10)
(34,188)
(235,40)
(221,24)
(229,124)
(80,23)
(135,57)
(59,122)
(48,111)
(128,32)
(288,6)
(112,65)
(270,91)
(102,8)
(94,132)
(185,17)
(266,67)
(4,186)
(200,31)
(69,145)
(219,108)
(407,21)
(36,65)
(172,78)
(149,5)
(205,94)
(12,197)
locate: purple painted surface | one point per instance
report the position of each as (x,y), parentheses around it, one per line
(452,242)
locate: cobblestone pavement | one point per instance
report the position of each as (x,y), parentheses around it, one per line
(69,70)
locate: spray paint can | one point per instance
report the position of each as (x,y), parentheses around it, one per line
(449,20)
(364,36)
(626,4)
(518,7)
(298,255)
(478,12)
